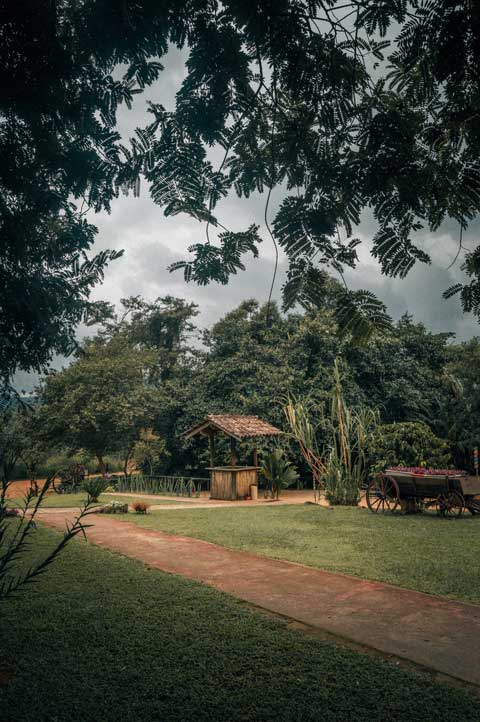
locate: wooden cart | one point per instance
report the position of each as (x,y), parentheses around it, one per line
(449,494)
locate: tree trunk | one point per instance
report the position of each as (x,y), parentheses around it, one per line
(33,480)
(101,463)
(128,456)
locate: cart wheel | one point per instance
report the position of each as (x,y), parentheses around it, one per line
(472,504)
(450,505)
(383,494)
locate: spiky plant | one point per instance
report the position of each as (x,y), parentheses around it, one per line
(278,472)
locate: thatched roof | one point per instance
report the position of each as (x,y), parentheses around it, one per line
(234,425)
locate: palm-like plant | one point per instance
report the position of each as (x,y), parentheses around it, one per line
(278,472)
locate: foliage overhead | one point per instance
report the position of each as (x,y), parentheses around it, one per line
(344,105)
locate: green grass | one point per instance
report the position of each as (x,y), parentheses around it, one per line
(421,552)
(60,501)
(101,637)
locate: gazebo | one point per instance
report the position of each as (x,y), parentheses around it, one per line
(232,482)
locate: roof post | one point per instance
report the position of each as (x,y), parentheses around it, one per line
(233,451)
(211,444)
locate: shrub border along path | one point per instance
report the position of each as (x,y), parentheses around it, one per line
(441,635)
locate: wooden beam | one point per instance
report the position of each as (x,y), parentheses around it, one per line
(233,451)
(211,443)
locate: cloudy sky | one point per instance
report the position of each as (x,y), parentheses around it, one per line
(151,242)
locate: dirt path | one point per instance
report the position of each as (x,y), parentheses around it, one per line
(441,635)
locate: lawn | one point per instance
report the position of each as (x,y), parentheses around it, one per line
(101,637)
(59,501)
(421,552)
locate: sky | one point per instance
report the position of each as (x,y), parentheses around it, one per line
(151,242)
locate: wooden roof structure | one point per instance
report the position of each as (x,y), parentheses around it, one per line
(235,426)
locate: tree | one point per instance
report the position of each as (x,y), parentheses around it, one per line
(247,366)
(403,374)
(57,110)
(10,447)
(301,94)
(31,448)
(101,402)
(462,412)
(163,326)
(304,95)
(149,451)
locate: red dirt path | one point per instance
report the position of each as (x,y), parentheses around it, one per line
(441,635)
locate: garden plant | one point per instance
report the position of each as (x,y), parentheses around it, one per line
(335,448)
(278,472)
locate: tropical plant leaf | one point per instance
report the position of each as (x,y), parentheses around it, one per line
(360,314)
(218,263)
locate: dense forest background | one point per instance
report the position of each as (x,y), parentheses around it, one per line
(148,373)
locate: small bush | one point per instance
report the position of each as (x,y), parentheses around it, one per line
(95,486)
(140,507)
(115,507)
(278,472)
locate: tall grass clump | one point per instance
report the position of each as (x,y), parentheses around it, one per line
(333,440)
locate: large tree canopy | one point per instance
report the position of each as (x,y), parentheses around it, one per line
(101,402)
(307,95)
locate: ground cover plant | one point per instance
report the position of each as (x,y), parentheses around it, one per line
(185,652)
(419,552)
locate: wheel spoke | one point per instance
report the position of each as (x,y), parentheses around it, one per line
(382,495)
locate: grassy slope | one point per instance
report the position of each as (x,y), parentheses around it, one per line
(100,637)
(76,500)
(422,552)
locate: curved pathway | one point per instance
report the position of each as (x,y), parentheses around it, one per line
(430,631)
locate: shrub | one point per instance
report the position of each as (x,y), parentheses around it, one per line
(95,486)
(278,472)
(140,507)
(115,507)
(411,443)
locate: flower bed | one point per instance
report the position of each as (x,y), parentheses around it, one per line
(422,471)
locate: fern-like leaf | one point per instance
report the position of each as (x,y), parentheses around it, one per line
(360,314)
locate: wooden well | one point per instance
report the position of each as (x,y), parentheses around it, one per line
(232,482)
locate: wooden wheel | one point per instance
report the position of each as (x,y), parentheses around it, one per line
(472,504)
(450,505)
(383,494)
